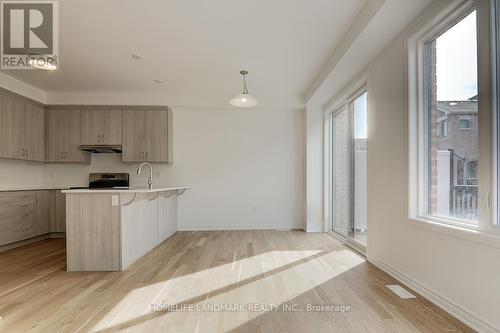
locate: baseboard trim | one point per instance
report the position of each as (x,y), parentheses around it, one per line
(237,227)
(461,314)
(314,228)
(23,242)
(57,235)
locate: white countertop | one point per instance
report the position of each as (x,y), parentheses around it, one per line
(32,188)
(125,190)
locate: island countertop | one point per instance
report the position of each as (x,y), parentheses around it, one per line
(109,229)
(124,190)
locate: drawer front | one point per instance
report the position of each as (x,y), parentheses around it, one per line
(17,216)
(16,229)
(17,198)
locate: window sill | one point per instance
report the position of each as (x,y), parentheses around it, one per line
(473,235)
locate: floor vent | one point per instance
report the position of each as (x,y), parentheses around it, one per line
(400,291)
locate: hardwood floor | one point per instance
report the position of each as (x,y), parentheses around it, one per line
(203,271)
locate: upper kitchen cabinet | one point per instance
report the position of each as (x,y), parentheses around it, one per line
(63,137)
(22,129)
(35,131)
(147,136)
(3,146)
(101,127)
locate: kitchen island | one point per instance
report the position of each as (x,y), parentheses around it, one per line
(107,230)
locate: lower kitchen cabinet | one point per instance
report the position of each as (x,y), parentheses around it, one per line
(43,212)
(28,214)
(59,219)
(108,232)
(167,216)
(17,216)
(157,214)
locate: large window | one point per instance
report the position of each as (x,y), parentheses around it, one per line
(453,98)
(451,121)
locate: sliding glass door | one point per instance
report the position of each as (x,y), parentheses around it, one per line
(348,173)
(359,173)
(340,172)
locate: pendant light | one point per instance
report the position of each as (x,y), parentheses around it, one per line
(244,100)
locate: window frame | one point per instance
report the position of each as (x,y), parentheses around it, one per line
(443,129)
(417,95)
(495,42)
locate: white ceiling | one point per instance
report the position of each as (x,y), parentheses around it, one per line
(196,48)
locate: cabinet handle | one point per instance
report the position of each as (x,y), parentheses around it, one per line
(102,137)
(62,155)
(98,138)
(147,155)
(66,155)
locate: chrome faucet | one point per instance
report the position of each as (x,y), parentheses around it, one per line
(150,179)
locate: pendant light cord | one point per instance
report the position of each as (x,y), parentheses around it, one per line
(245,89)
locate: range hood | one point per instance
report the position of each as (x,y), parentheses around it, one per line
(102,149)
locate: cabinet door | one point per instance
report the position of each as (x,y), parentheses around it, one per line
(55,135)
(134,139)
(72,133)
(34,132)
(3,146)
(90,127)
(138,238)
(13,128)
(157,136)
(167,216)
(111,126)
(59,224)
(42,222)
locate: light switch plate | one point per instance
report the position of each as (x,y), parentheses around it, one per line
(114,200)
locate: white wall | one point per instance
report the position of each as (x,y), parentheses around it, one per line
(314,168)
(246,168)
(462,272)
(454,270)
(19,174)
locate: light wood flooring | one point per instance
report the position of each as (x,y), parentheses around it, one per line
(203,270)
